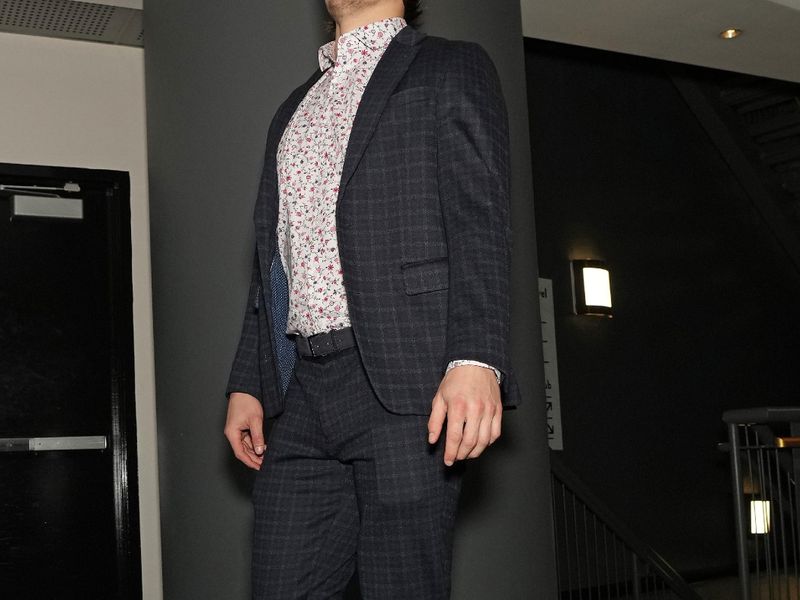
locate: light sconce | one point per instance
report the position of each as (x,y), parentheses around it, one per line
(760,511)
(591,288)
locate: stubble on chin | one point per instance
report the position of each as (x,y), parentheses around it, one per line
(342,8)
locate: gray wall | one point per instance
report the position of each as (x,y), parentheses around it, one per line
(215,75)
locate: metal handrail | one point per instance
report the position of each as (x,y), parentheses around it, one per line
(759,451)
(774,414)
(642,550)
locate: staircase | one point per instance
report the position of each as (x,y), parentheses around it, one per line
(598,556)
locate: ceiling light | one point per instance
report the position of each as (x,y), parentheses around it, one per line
(729,34)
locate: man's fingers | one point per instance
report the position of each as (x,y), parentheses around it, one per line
(455,431)
(242,449)
(244,429)
(435,422)
(484,435)
(257,435)
(249,447)
(234,437)
(497,421)
(469,437)
(468,400)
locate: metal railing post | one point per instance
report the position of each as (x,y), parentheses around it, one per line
(738,500)
(794,429)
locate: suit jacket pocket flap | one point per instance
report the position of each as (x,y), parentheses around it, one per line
(426,276)
(409,95)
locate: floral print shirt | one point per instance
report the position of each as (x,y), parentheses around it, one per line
(310,161)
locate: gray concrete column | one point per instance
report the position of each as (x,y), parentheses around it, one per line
(504,535)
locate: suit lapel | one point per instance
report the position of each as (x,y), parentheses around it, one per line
(288,109)
(390,70)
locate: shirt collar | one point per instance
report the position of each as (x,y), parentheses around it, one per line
(372,38)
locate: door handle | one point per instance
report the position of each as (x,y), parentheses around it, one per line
(44,444)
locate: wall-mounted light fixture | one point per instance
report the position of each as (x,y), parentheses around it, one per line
(760,512)
(591,288)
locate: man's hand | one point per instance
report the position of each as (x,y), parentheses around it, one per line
(469,398)
(245,430)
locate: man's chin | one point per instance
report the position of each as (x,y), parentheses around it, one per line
(342,8)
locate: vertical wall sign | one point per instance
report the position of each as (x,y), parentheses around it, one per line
(551,393)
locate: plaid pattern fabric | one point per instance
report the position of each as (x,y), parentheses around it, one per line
(346,482)
(422,223)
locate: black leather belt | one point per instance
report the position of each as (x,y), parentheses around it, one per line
(323,344)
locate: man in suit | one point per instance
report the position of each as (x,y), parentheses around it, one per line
(377,322)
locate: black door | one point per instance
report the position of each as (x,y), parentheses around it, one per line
(68,494)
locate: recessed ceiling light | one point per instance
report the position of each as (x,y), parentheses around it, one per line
(729,34)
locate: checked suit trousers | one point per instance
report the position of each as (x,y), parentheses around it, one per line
(347,485)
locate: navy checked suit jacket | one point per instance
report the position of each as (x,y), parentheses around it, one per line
(423,229)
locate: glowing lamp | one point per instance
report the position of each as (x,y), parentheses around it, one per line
(760,511)
(591,288)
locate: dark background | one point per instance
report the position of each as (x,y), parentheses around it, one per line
(705,315)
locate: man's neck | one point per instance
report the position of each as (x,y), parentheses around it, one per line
(364,17)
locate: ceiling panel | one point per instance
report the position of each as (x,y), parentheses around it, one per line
(121,3)
(684,31)
(88,21)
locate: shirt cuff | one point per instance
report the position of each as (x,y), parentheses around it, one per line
(458,363)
